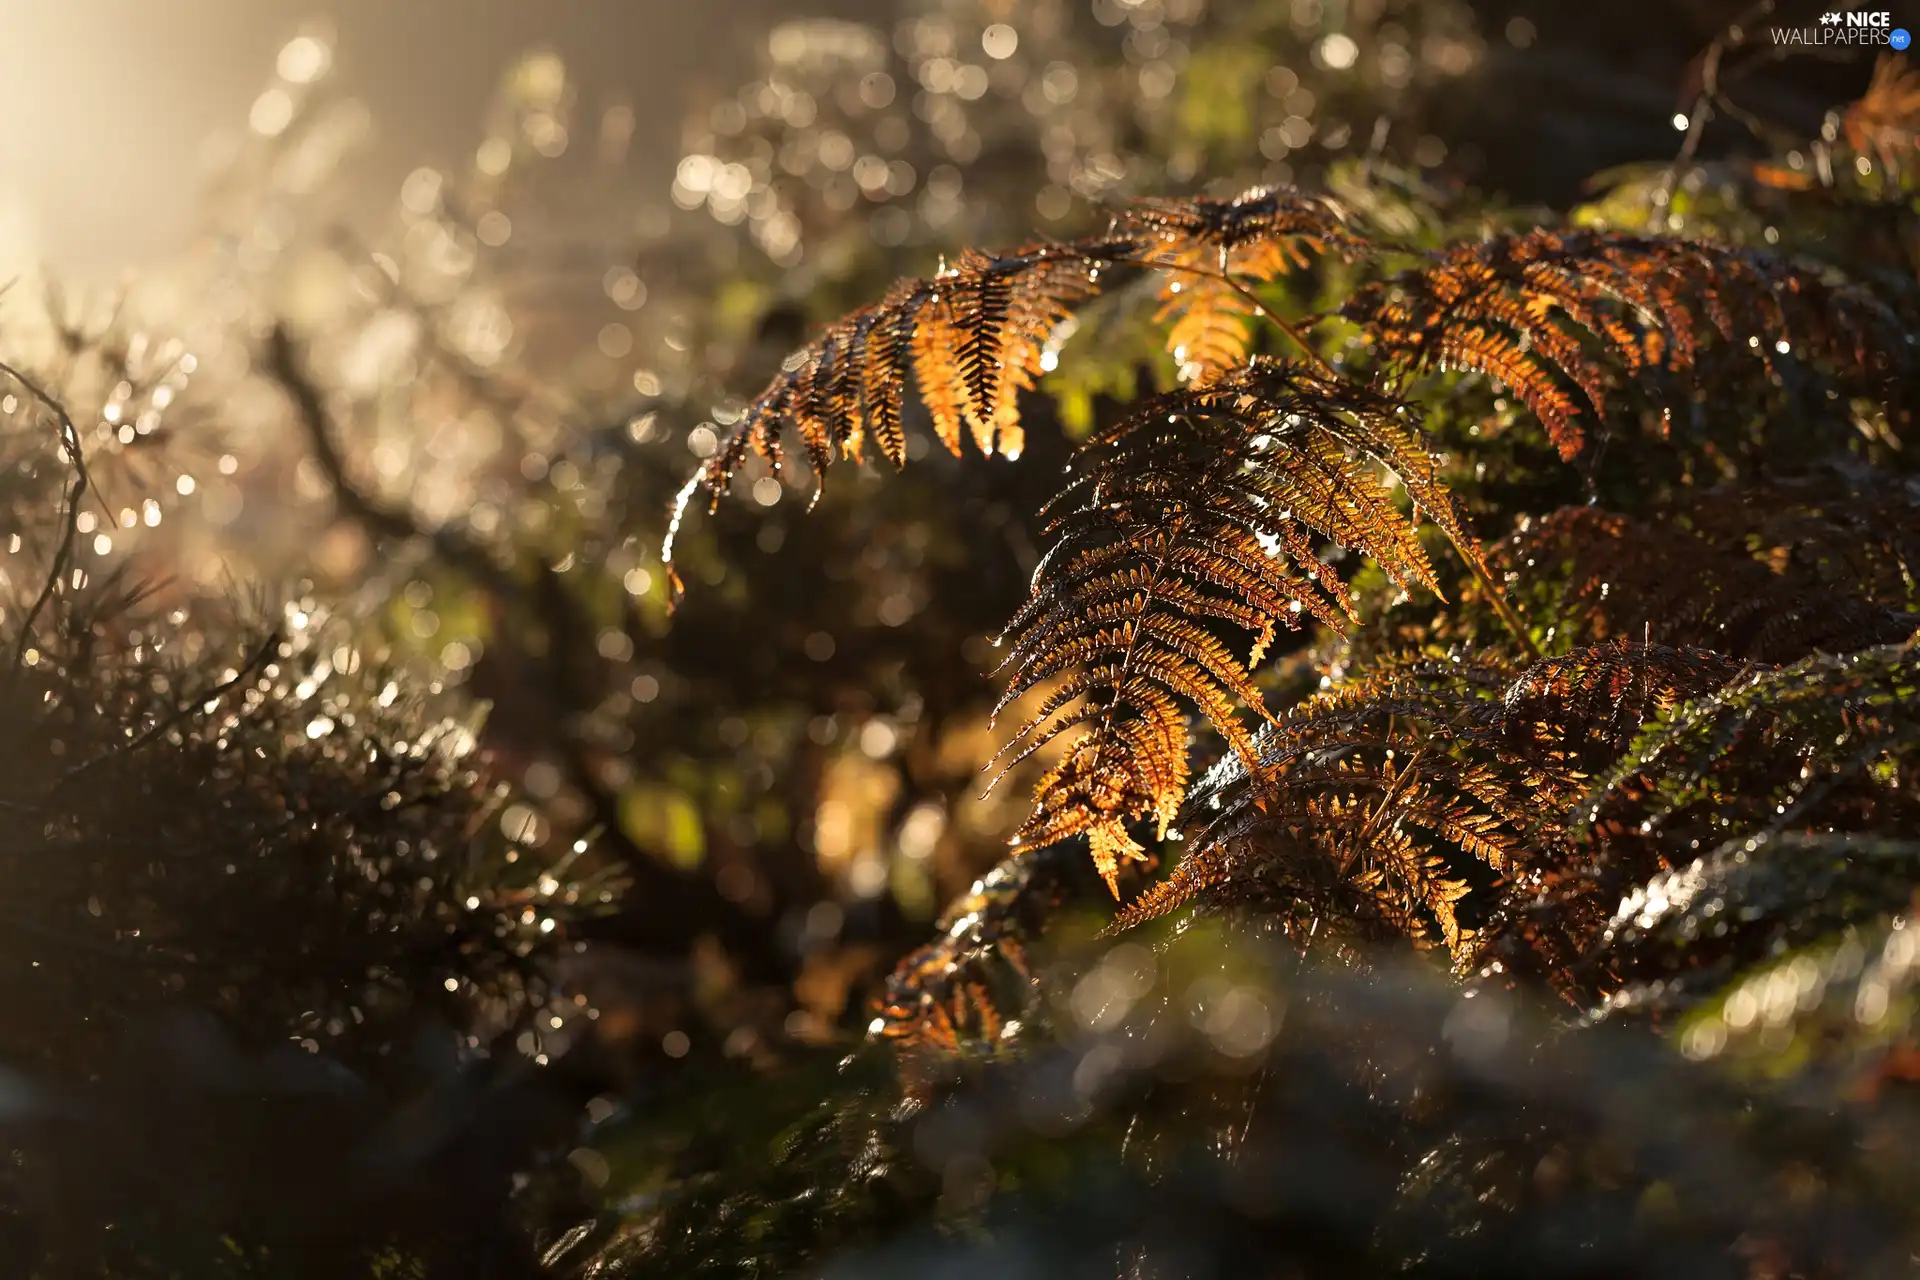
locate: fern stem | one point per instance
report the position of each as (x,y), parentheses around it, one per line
(1272,317)
(1498,599)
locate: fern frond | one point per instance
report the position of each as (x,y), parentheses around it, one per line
(1615,577)
(1593,701)
(971,335)
(1190,516)
(1730,755)
(1366,797)
(1358,799)
(1354,847)
(1212,249)
(1545,311)
(976,334)
(1884,121)
(1823,745)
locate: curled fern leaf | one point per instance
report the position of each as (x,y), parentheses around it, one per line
(1184,541)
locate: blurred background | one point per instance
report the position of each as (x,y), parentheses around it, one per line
(126,96)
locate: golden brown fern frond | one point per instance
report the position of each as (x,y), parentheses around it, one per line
(1367,797)
(977,333)
(971,336)
(1587,705)
(1825,745)
(1035,314)
(1213,249)
(1571,717)
(1191,516)
(1326,867)
(1548,313)
(1358,803)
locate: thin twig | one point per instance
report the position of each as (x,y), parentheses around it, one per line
(1733,36)
(76,457)
(380,518)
